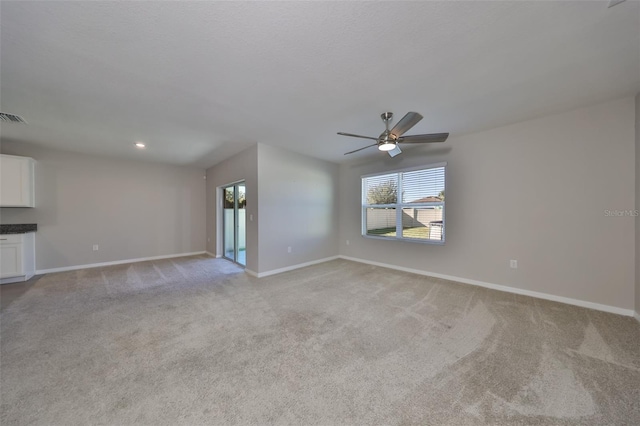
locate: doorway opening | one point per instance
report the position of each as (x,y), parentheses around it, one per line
(234,223)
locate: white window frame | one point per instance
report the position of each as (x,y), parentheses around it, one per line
(400,205)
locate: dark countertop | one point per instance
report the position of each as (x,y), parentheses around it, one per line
(22,228)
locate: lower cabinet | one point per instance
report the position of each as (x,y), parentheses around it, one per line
(17,257)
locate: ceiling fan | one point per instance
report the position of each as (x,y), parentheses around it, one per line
(389,139)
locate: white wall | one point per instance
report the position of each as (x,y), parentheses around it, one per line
(297,198)
(638,204)
(534,191)
(131,209)
(242,166)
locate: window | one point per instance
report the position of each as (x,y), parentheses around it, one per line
(405,205)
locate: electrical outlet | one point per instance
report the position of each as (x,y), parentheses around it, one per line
(288,249)
(347,242)
(95,247)
(513,264)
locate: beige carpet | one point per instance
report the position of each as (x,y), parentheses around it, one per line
(197,341)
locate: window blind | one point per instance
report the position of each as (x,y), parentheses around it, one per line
(405,205)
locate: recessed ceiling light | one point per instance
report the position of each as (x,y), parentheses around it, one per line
(140,145)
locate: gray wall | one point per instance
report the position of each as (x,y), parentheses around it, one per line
(242,166)
(298,208)
(131,209)
(535,191)
(638,203)
(292,199)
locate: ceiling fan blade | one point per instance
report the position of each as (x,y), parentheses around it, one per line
(430,138)
(357,136)
(360,149)
(407,122)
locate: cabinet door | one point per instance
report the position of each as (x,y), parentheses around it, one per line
(10,260)
(16,181)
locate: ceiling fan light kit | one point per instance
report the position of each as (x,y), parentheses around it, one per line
(389,139)
(395,151)
(386,146)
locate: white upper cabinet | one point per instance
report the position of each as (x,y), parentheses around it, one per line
(17,181)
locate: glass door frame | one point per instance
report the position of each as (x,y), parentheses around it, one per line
(235,187)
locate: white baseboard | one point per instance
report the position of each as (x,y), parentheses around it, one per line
(288,268)
(12,280)
(115,262)
(636,316)
(536,294)
(211,254)
(18,279)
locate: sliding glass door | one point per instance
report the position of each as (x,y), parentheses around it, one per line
(234,223)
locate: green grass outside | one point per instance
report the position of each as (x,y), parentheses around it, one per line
(421,232)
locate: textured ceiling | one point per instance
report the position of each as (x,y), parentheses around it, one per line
(201,81)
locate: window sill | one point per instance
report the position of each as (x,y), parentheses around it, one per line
(410,240)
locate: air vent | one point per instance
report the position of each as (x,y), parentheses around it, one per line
(614,3)
(11,118)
